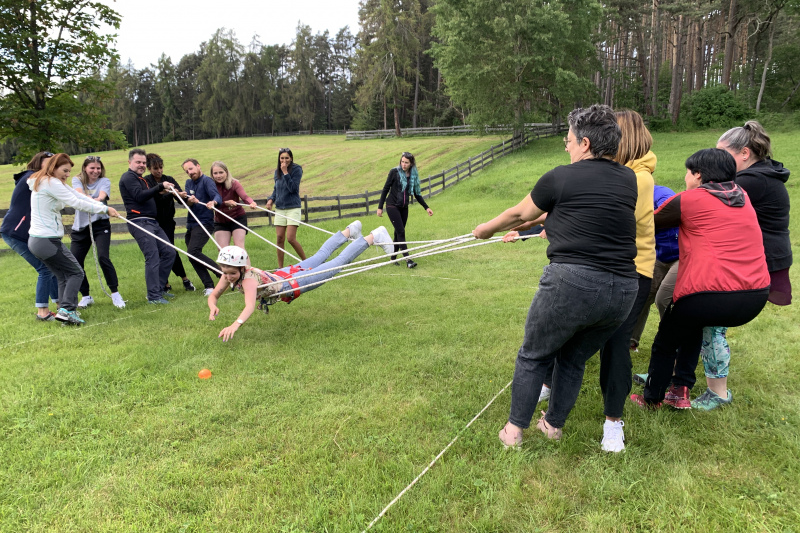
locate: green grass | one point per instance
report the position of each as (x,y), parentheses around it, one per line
(321,412)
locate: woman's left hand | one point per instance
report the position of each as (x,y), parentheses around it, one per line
(230,203)
(253,205)
(112,212)
(228,332)
(430,212)
(211,204)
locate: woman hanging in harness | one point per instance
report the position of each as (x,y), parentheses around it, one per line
(262,287)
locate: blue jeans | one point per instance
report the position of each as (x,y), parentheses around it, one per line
(47,284)
(576,309)
(353,250)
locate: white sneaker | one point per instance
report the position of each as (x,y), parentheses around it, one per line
(85,302)
(355,229)
(116,298)
(545,394)
(613,436)
(207,292)
(381,238)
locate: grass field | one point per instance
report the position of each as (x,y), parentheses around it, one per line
(321,412)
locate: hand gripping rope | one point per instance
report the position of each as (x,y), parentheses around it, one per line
(178,196)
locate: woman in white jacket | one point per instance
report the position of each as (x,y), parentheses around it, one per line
(50,194)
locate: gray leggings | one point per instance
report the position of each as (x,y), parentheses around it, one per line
(57,257)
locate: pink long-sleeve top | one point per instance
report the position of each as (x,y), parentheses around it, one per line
(235,193)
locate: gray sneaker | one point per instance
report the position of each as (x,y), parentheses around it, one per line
(355,229)
(711,400)
(381,238)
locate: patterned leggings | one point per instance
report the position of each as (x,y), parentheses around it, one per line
(715,352)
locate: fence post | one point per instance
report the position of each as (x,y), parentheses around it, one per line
(504,148)
(305,202)
(469,166)
(366,200)
(429,186)
(492,152)
(458,173)
(339,204)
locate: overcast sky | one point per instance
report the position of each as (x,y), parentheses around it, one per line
(177,27)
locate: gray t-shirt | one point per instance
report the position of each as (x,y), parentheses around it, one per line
(84,219)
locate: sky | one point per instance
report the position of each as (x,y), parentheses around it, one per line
(177,27)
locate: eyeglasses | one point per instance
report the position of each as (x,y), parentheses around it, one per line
(93,158)
(49,154)
(407,155)
(566,141)
(283,151)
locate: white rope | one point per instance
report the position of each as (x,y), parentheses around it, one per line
(292,219)
(430,465)
(218,271)
(256,234)
(96,261)
(197,219)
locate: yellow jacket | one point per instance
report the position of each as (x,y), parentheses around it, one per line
(645,229)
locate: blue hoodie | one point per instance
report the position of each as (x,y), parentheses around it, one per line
(205,190)
(666,239)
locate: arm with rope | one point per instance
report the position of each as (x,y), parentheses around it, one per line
(525,211)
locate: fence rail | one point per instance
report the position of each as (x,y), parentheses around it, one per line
(352,205)
(440,131)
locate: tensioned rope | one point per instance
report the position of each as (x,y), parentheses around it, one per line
(430,465)
(197,219)
(254,233)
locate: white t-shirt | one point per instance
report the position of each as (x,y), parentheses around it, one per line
(84,219)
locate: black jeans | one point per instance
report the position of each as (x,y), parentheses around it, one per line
(158,257)
(195,239)
(169,228)
(680,334)
(615,357)
(82,243)
(398,216)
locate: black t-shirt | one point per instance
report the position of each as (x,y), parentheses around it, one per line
(590,214)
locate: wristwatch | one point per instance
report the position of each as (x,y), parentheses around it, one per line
(240,321)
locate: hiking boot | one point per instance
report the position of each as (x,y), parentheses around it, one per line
(85,302)
(639,400)
(355,229)
(69,317)
(613,436)
(711,400)
(187,285)
(678,397)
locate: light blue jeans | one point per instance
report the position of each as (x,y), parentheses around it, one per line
(47,284)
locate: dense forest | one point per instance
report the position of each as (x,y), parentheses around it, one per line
(487,62)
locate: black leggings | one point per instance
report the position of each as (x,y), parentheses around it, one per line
(195,239)
(680,334)
(398,216)
(82,243)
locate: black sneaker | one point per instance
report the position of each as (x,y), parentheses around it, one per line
(49,318)
(410,263)
(187,284)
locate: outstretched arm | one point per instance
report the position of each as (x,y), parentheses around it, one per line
(250,287)
(525,211)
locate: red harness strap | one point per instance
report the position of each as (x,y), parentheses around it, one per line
(294,269)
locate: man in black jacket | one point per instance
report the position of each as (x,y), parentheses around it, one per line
(138,196)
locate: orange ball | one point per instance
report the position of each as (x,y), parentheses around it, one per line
(204,374)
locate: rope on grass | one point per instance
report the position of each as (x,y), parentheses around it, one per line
(198,221)
(218,271)
(430,465)
(254,233)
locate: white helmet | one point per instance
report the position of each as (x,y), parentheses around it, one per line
(232,256)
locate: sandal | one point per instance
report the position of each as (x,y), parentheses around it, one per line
(508,441)
(549,431)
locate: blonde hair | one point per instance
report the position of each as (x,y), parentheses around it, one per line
(752,135)
(50,170)
(636,139)
(229,179)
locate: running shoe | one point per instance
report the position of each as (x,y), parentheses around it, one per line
(158,301)
(69,317)
(355,229)
(187,285)
(47,318)
(167,295)
(711,400)
(207,292)
(116,299)
(381,238)
(410,263)
(613,436)
(85,302)
(641,379)
(678,397)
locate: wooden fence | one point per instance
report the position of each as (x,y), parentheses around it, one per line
(440,131)
(355,205)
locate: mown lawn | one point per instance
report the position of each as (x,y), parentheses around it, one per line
(321,412)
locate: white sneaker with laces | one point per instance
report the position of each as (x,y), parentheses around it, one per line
(613,436)
(545,394)
(85,302)
(207,292)
(355,229)
(381,238)
(116,298)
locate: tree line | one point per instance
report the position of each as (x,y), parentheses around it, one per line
(410,63)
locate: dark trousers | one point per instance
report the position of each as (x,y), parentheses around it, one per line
(82,243)
(195,239)
(576,309)
(55,255)
(169,229)
(158,256)
(615,357)
(398,216)
(680,334)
